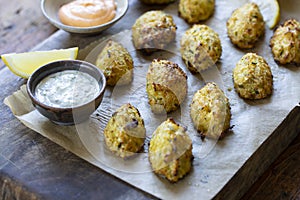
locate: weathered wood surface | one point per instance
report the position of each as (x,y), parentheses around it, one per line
(22,26)
(32,167)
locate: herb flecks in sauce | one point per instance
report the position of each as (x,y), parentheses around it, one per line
(65,89)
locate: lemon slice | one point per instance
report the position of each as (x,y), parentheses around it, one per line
(270,10)
(24,64)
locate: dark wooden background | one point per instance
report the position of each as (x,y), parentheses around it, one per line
(32,167)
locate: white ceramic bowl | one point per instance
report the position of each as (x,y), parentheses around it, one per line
(50,10)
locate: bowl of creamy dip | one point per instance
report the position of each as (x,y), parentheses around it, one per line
(84,16)
(67,92)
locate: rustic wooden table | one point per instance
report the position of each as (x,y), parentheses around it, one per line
(32,167)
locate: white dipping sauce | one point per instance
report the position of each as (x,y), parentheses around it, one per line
(66,89)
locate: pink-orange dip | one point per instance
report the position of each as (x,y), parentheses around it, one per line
(87,13)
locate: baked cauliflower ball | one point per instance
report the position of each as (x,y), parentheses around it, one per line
(252,77)
(166,86)
(200,48)
(285,43)
(245,26)
(157,1)
(153,30)
(116,64)
(170,151)
(210,111)
(194,11)
(125,131)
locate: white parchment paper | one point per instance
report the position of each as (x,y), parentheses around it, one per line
(214,162)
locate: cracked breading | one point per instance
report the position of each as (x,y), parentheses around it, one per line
(246,26)
(285,43)
(200,48)
(153,30)
(210,111)
(252,77)
(116,64)
(194,11)
(166,86)
(125,131)
(170,151)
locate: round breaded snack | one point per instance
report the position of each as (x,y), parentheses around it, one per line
(245,26)
(125,131)
(200,48)
(166,86)
(252,77)
(194,11)
(157,1)
(116,64)
(210,111)
(153,30)
(170,151)
(285,43)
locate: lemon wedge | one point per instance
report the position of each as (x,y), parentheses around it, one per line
(24,64)
(270,10)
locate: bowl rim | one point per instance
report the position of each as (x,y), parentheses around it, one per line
(76,29)
(30,89)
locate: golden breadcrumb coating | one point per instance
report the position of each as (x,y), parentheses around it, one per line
(170,151)
(125,131)
(200,48)
(245,26)
(166,86)
(153,30)
(252,77)
(194,11)
(285,43)
(210,111)
(116,64)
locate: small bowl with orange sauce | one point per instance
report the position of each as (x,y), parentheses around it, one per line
(84,16)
